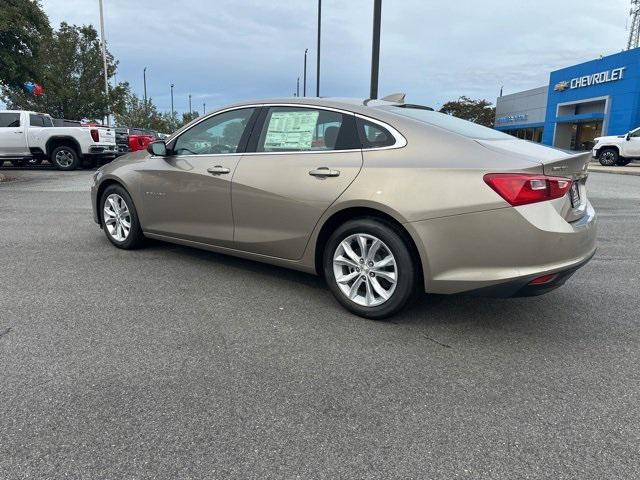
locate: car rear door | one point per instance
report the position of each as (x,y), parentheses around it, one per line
(13,137)
(187,194)
(300,160)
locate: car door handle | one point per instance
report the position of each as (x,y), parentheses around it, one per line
(324,172)
(218,170)
(18,133)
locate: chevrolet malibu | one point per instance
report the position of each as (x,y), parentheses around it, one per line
(384,199)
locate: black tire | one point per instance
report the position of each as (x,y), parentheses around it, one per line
(64,158)
(608,157)
(623,162)
(135,238)
(406,274)
(17,163)
(34,161)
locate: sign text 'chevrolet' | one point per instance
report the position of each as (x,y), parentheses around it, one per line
(593,79)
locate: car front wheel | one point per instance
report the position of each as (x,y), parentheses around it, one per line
(120,219)
(608,157)
(369,269)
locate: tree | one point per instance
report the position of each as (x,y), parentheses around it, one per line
(477,111)
(70,69)
(188,117)
(24,29)
(134,113)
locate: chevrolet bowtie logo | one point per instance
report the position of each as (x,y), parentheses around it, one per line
(561,86)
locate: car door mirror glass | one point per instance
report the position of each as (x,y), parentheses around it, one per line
(159,149)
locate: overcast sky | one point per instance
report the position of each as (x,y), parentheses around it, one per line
(434,50)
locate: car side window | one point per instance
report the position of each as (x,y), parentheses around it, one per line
(37,120)
(9,120)
(373,135)
(303,129)
(218,134)
(635,133)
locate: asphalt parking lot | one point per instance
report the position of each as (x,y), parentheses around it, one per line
(170,362)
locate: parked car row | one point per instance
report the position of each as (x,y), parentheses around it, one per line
(29,138)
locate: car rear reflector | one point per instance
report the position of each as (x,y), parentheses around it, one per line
(522,188)
(95,135)
(543,279)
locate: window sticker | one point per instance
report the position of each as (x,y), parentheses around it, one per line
(291,130)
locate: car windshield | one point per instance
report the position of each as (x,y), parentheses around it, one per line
(451,123)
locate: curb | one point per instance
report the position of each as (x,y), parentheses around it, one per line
(615,170)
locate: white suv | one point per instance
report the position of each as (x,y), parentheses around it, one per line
(617,150)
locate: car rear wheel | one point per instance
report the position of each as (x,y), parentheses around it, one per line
(64,158)
(369,269)
(608,157)
(120,219)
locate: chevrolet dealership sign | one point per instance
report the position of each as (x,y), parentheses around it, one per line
(593,79)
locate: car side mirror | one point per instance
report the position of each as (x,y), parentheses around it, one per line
(159,148)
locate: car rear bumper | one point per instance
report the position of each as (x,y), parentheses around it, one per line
(499,252)
(106,150)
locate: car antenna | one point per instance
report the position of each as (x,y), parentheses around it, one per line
(394,97)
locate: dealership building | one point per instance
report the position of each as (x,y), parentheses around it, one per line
(592,99)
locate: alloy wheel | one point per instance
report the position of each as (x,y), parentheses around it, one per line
(64,158)
(365,270)
(117,218)
(608,158)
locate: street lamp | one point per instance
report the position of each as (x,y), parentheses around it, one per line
(104,59)
(204,108)
(375,50)
(144,76)
(298,87)
(172,111)
(304,83)
(190,105)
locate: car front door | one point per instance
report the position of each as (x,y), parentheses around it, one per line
(298,163)
(13,139)
(632,148)
(187,194)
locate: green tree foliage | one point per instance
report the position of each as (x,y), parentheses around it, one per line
(24,30)
(478,111)
(70,69)
(135,114)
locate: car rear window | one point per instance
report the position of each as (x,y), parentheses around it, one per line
(452,124)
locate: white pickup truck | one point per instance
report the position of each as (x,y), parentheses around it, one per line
(28,138)
(617,150)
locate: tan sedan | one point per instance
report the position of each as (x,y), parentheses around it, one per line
(383,199)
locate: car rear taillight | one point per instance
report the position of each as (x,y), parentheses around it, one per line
(95,135)
(522,189)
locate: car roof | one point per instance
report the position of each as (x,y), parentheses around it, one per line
(357,105)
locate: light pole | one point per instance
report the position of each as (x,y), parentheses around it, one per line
(104,59)
(190,105)
(204,108)
(172,111)
(298,87)
(144,76)
(318,49)
(304,83)
(375,50)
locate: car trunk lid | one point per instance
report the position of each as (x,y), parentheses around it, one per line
(555,163)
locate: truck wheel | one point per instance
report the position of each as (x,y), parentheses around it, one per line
(64,158)
(17,163)
(608,157)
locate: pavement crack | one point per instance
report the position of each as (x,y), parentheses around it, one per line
(4,331)
(435,341)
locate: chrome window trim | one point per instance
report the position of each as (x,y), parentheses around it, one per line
(400,140)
